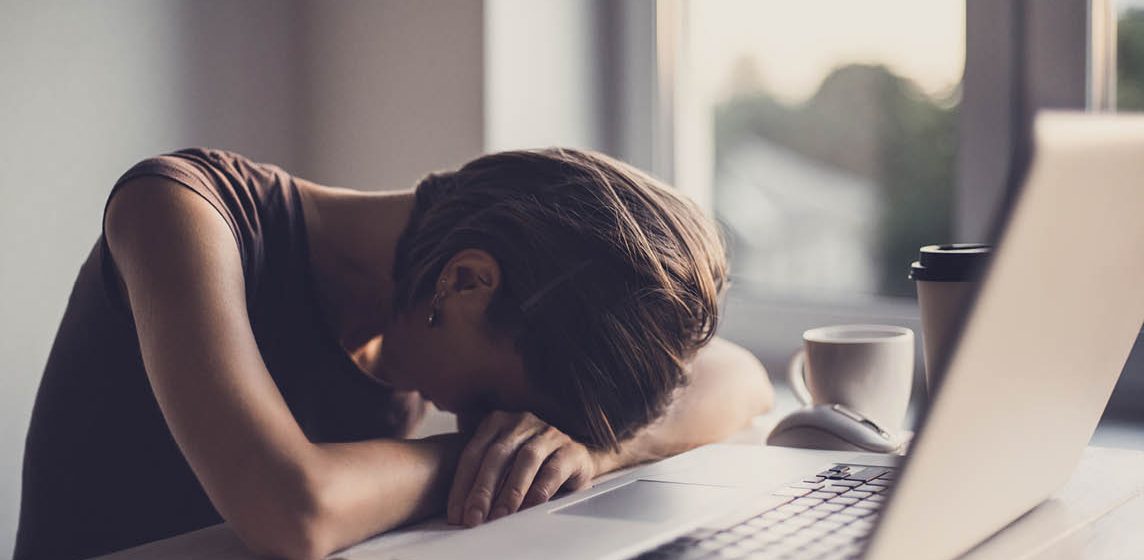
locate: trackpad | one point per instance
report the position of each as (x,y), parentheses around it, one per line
(650,501)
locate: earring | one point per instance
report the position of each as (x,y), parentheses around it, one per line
(433,309)
(436,304)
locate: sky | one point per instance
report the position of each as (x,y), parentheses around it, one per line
(795,44)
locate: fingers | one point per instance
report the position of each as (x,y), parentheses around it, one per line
(514,461)
(467,467)
(526,465)
(498,458)
(563,468)
(485,462)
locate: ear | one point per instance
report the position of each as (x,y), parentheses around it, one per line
(470,279)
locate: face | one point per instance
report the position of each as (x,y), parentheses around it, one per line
(459,363)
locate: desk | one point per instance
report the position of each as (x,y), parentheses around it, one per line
(1105,494)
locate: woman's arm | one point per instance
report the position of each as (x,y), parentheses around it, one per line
(283,495)
(728,387)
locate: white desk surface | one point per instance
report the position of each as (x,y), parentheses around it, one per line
(1105,495)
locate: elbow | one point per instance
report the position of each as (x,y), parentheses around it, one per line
(307,542)
(764,400)
(296,526)
(753,383)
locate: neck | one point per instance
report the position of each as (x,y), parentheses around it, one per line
(353,237)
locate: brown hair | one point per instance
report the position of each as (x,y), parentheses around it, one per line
(610,280)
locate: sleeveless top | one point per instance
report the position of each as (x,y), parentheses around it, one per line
(102,471)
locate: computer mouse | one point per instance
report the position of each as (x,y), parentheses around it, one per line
(832,426)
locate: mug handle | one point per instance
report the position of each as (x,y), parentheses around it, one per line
(796,376)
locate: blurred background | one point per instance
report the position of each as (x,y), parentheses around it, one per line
(829,138)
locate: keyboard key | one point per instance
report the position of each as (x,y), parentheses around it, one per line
(807,501)
(780,551)
(814,479)
(757,542)
(829,507)
(807,485)
(821,495)
(835,473)
(858,494)
(848,550)
(867,505)
(869,488)
(830,523)
(876,498)
(818,547)
(776,515)
(845,516)
(816,514)
(834,489)
(792,508)
(842,500)
(868,473)
(880,482)
(800,521)
(847,483)
(837,537)
(816,531)
(800,538)
(788,491)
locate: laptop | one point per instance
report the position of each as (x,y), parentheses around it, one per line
(1024,387)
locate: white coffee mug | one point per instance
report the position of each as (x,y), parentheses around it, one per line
(868,368)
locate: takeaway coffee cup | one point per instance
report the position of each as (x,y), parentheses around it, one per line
(945,276)
(867,368)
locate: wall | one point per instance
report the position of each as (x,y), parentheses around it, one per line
(353,93)
(544,81)
(394,89)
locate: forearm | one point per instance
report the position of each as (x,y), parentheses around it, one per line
(369,487)
(728,387)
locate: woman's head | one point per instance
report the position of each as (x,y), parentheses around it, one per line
(591,286)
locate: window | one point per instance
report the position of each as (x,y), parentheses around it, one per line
(910,118)
(1130,56)
(832,131)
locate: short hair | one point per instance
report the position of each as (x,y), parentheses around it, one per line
(610,280)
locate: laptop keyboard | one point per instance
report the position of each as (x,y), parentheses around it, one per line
(828,516)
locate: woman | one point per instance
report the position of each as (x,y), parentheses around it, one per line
(247,346)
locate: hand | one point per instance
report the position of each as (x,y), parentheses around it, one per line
(514,461)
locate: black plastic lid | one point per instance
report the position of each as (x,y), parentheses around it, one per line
(956,262)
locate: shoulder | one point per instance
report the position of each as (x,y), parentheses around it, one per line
(253,200)
(154,219)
